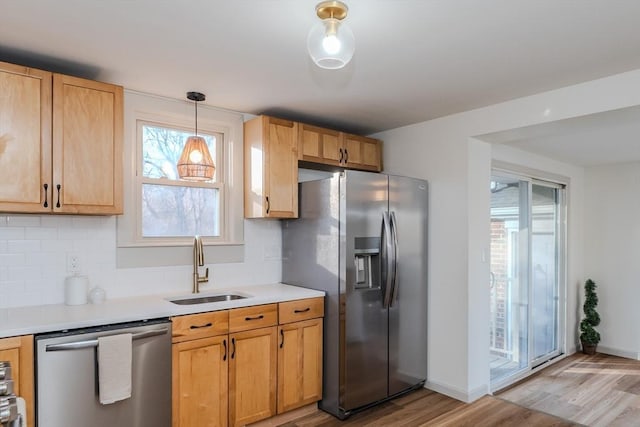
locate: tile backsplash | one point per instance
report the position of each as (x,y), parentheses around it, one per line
(35,249)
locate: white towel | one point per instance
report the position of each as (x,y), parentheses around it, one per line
(114,368)
(22,412)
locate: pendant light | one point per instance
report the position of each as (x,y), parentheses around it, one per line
(330,42)
(195,163)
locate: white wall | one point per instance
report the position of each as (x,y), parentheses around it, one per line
(445,152)
(612,251)
(34,248)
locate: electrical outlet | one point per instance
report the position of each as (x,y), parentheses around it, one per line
(73,263)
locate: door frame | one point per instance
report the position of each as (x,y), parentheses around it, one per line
(556,182)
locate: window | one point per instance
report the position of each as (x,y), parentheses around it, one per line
(171,207)
(161,212)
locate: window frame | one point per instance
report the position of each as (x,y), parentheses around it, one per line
(218,183)
(133,250)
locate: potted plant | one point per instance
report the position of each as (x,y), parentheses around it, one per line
(589,337)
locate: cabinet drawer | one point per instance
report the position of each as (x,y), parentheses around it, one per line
(260,316)
(194,326)
(295,311)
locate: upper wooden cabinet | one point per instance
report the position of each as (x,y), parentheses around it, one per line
(330,147)
(361,152)
(60,143)
(319,145)
(87,146)
(270,168)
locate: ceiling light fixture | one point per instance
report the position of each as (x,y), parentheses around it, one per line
(330,42)
(195,163)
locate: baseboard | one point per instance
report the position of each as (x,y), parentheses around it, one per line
(456,393)
(618,352)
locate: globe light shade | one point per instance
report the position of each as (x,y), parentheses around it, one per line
(331,44)
(195,163)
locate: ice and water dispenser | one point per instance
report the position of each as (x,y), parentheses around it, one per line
(367,262)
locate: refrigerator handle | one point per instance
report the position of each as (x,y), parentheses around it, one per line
(394,274)
(387,259)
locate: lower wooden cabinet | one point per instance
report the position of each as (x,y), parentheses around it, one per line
(299,364)
(19,352)
(239,366)
(252,376)
(200,382)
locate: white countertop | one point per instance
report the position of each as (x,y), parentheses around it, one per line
(58,317)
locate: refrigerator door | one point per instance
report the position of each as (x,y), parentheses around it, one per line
(364,374)
(408,199)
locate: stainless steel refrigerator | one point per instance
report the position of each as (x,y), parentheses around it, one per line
(362,238)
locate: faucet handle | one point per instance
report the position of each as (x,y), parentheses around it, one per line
(206,276)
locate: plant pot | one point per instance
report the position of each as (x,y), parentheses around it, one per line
(588,348)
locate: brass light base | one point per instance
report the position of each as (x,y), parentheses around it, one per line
(332,9)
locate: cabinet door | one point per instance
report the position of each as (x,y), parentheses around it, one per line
(87,146)
(319,145)
(299,364)
(281,169)
(25,139)
(270,168)
(252,376)
(19,352)
(362,152)
(200,382)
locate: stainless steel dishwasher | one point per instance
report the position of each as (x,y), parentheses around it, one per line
(67,378)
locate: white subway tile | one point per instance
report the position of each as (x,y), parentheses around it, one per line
(56,221)
(12,233)
(41,233)
(23,221)
(12,260)
(24,273)
(25,246)
(56,245)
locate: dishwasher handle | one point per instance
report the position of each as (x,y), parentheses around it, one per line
(94,343)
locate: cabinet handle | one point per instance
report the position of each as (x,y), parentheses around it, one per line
(268,205)
(46,194)
(58,187)
(254,318)
(346,156)
(224,343)
(233,352)
(341,156)
(206,325)
(302,311)
(282,337)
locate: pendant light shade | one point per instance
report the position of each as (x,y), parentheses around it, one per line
(195,162)
(330,41)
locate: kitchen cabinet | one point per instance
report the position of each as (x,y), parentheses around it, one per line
(270,168)
(253,363)
(300,353)
(361,152)
(319,145)
(224,366)
(200,358)
(61,139)
(333,148)
(252,375)
(19,352)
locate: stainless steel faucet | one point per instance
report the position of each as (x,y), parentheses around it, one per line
(198,261)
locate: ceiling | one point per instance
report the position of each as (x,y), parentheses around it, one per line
(415,60)
(591,140)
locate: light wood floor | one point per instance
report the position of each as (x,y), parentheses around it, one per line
(428,408)
(594,391)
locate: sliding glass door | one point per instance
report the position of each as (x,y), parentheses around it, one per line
(526,279)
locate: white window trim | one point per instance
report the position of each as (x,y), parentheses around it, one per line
(132,251)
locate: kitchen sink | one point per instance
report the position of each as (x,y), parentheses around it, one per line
(207,298)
